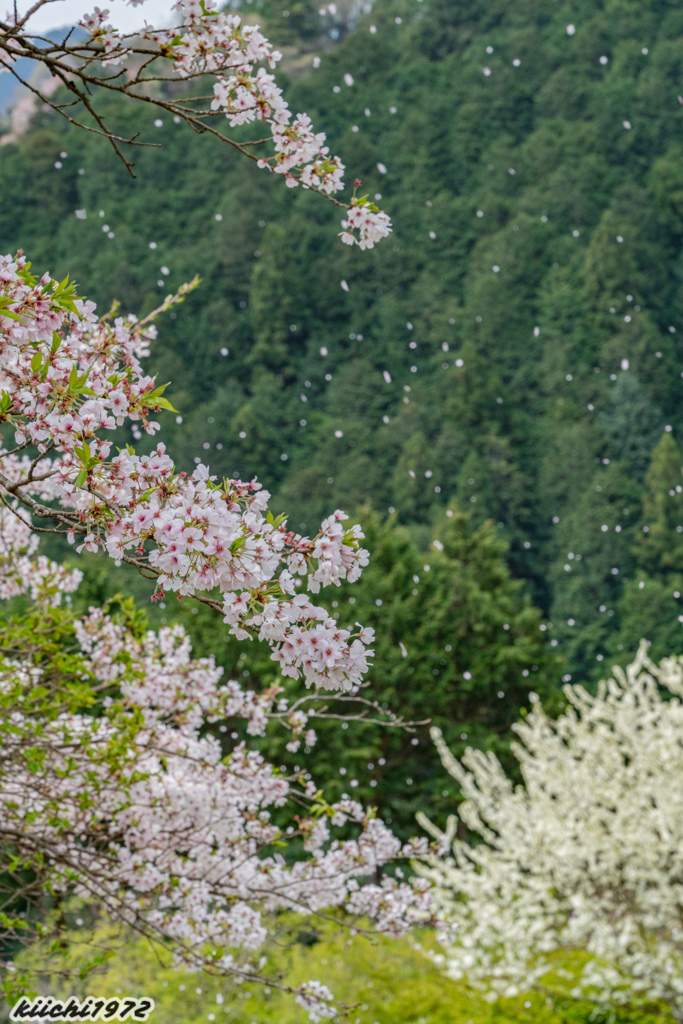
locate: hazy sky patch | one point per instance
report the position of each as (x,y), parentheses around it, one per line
(122,15)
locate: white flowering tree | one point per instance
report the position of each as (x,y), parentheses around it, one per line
(118,782)
(586,855)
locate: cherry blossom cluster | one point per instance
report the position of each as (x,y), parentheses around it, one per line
(238,60)
(21,571)
(138,808)
(67,381)
(317,999)
(586,855)
(44,580)
(371,224)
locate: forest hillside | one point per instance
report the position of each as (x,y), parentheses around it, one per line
(511,356)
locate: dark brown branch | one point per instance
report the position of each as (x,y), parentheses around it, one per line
(71,63)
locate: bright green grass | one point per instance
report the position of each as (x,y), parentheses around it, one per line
(385,981)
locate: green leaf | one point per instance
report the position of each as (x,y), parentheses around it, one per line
(9,313)
(64,294)
(152,396)
(163,403)
(26,276)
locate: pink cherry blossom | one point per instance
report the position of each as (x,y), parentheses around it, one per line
(192,534)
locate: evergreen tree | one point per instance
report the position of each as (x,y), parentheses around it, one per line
(631,424)
(593,561)
(651,605)
(659,547)
(457,642)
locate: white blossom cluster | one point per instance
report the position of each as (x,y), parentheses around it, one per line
(586,855)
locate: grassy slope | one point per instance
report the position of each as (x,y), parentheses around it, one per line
(387,981)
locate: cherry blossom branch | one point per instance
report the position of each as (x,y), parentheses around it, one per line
(177,837)
(205,46)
